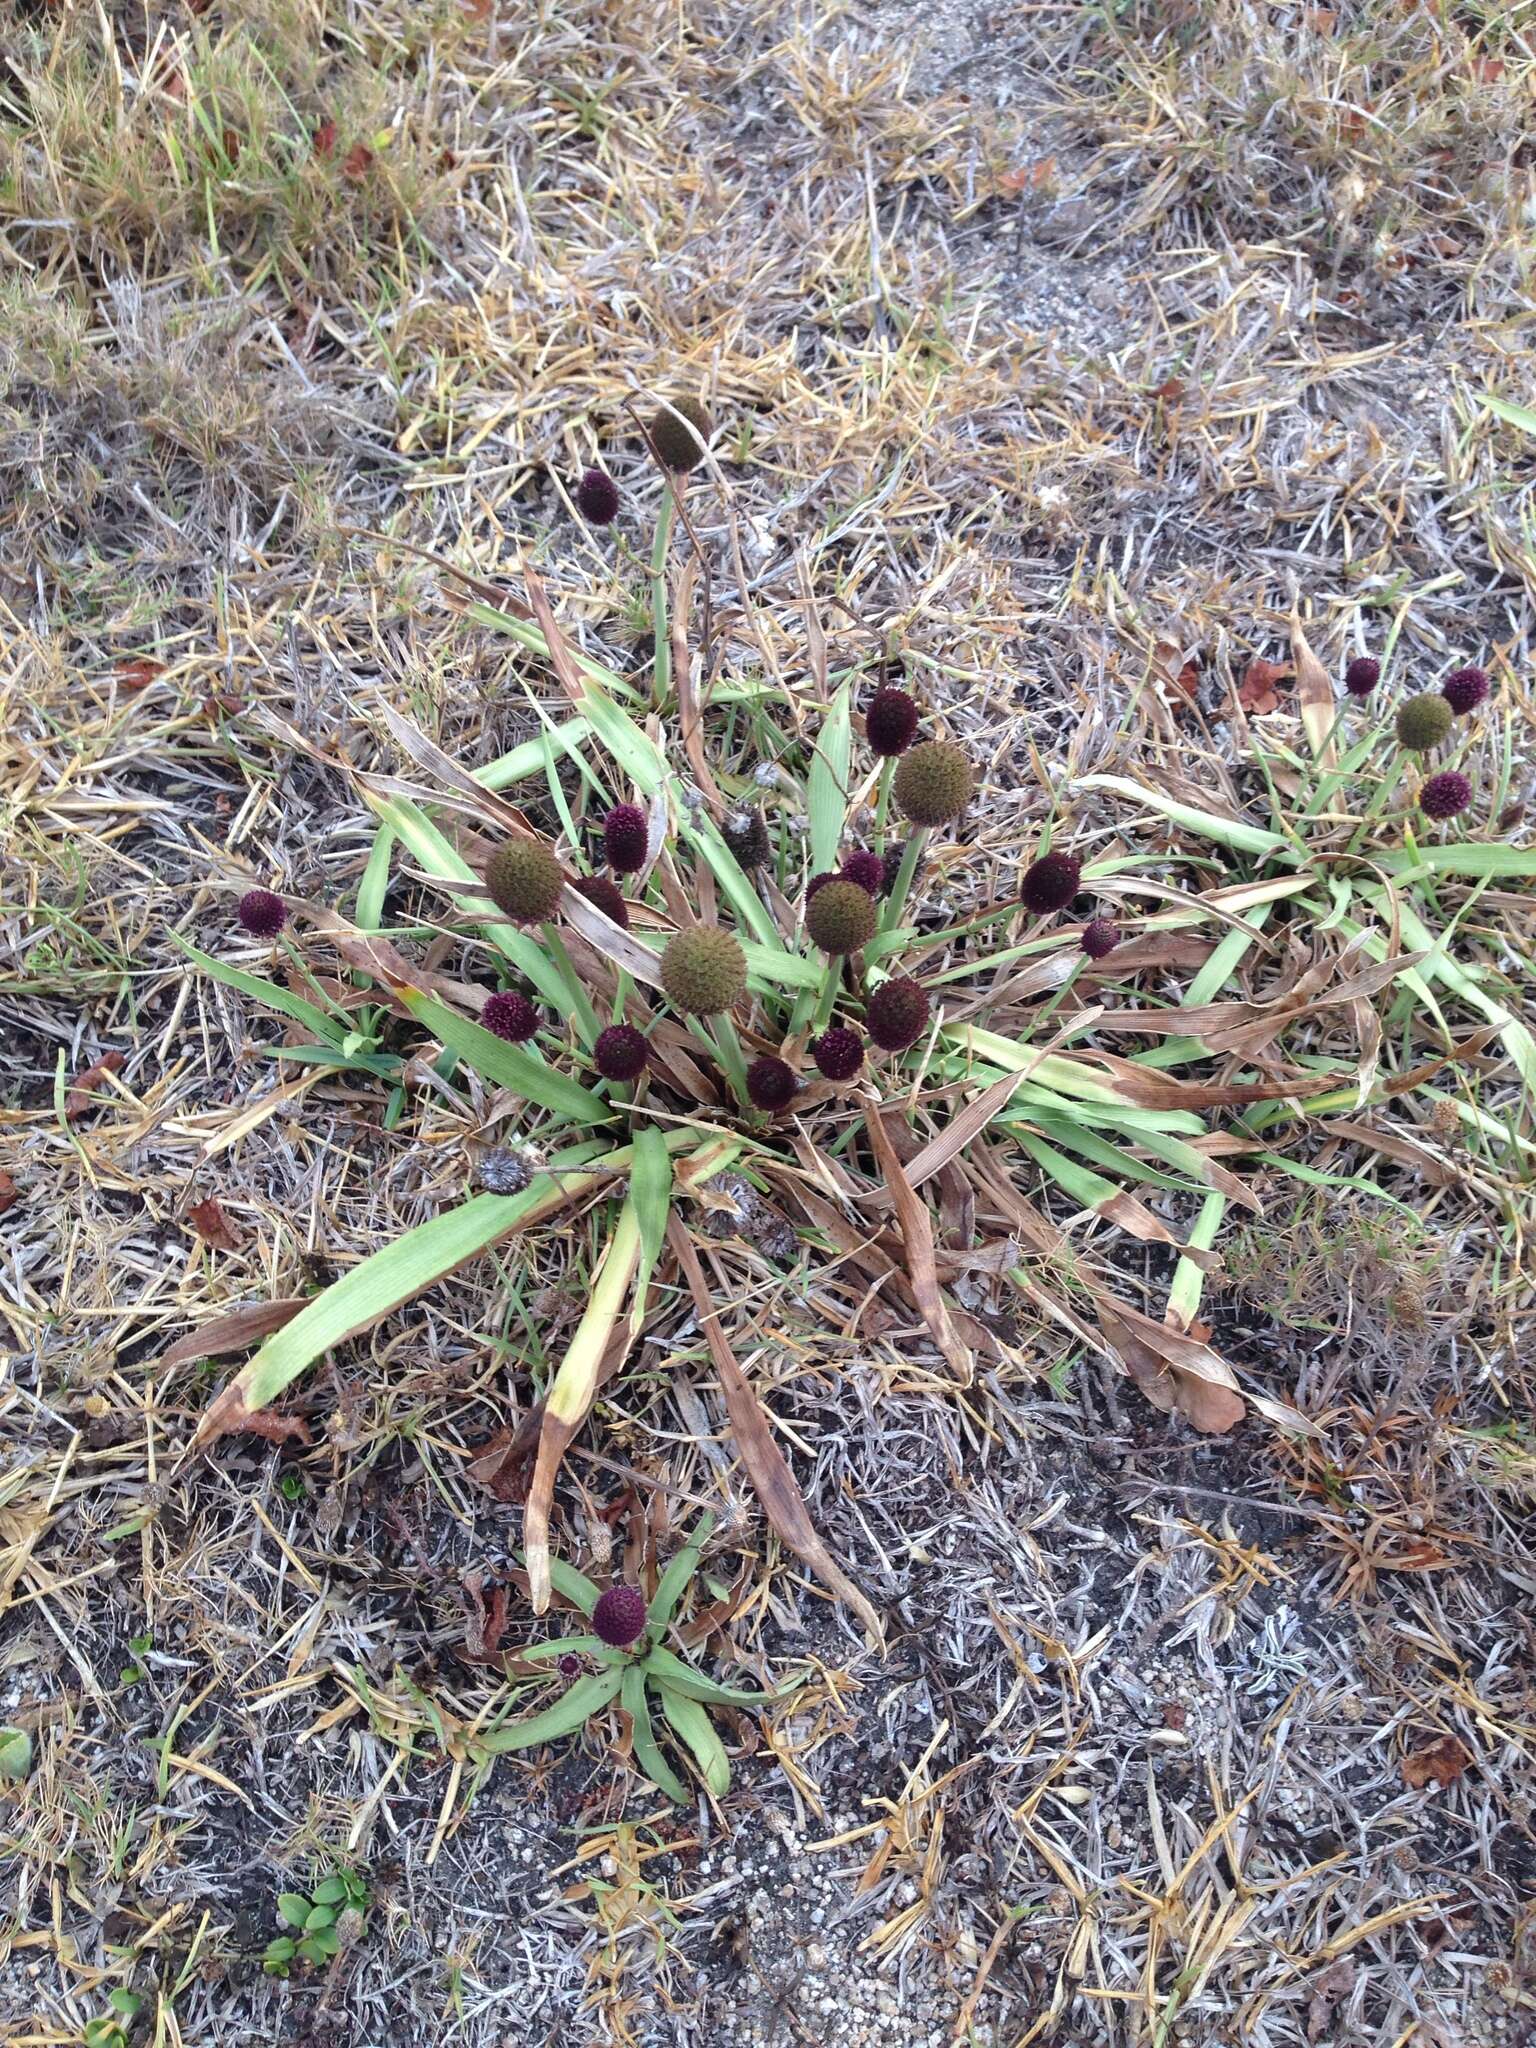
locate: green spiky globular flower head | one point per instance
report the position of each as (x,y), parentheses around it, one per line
(897,1014)
(704,970)
(679,433)
(841,917)
(524,881)
(1423,722)
(932,783)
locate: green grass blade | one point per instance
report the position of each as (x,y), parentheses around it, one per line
(650,1190)
(260,990)
(588,1696)
(671,1670)
(1232,832)
(676,1576)
(694,1729)
(511,1066)
(643,1737)
(827,793)
(398,1273)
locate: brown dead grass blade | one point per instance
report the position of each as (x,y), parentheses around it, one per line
(237,1331)
(766,1466)
(1314,696)
(916,1228)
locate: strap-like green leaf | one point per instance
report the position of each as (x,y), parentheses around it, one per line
(562,1646)
(266,992)
(643,1737)
(670,1670)
(676,1576)
(509,1065)
(588,1696)
(827,792)
(693,1727)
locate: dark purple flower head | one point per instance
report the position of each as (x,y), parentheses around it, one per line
(597,497)
(1101,935)
(897,1014)
(619,1616)
(890,723)
(1051,883)
(262,914)
(624,839)
(570,1664)
(839,1053)
(771,1083)
(1445,795)
(1464,689)
(510,1016)
(606,895)
(619,1054)
(1362,675)
(867,869)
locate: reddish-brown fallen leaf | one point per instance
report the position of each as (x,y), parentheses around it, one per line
(276,1429)
(83,1086)
(356,163)
(1442,1761)
(485,1622)
(138,672)
(325,138)
(503,1463)
(1330,1987)
(9,1194)
(1257,692)
(237,1331)
(213,1226)
(1171,389)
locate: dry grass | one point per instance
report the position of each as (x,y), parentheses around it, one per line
(1131,1768)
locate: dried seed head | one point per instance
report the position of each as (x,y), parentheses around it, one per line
(891,866)
(510,1015)
(1446,795)
(932,784)
(606,895)
(746,834)
(619,1054)
(503,1172)
(1362,675)
(1464,689)
(897,1014)
(624,839)
(1051,883)
(839,1053)
(680,432)
(890,723)
(1423,722)
(261,913)
(524,881)
(841,917)
(867,869)
(1100,938)
(619,1616)
(597,497)
(771,1083)
(704,970)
